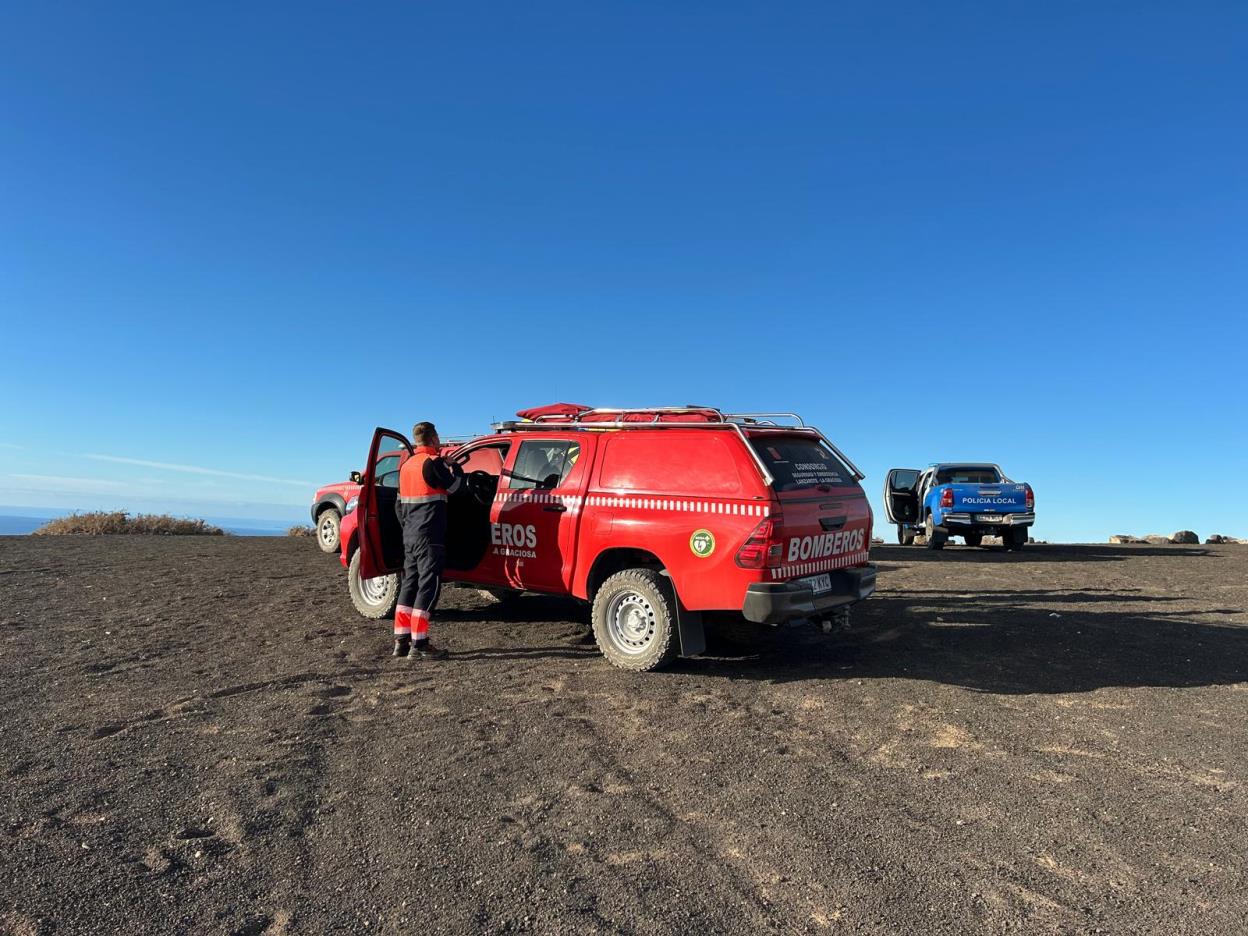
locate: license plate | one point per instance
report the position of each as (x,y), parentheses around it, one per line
(990,518)
(818,583)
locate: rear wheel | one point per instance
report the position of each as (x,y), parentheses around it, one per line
(1015,538)
(635,620)
(375,597)
(935,537)
(973,539)
(328,524)
(905,536)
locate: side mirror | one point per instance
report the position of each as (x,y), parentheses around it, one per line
(356,477)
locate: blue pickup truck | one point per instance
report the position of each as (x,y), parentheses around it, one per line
(958,499)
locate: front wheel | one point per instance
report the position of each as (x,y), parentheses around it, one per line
(635,620)
(934,535)
(905,536)
(328,525)
(973,539)
(375,597)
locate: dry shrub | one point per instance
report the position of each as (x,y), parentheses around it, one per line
(301,530)
(101,522)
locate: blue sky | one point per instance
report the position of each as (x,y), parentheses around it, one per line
(235,237)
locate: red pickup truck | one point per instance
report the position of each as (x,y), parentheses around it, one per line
(332,502)
(657,517)
(329,504)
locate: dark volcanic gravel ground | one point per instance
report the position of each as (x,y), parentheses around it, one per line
(200,735)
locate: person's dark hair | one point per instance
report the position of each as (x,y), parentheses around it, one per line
(422,432)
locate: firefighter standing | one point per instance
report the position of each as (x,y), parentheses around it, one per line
(425,481)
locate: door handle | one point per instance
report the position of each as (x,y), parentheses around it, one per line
(555,508)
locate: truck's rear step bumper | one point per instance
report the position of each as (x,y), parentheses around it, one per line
(1007,519)
(777,602)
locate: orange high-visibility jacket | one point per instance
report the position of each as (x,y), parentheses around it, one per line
(418,485)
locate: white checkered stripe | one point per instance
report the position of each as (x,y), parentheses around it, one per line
(799,569)
(631,502)
(516,498)
(680,505)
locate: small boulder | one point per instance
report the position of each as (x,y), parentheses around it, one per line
(1156,539)
(1185,538)
(1222,539)
(1124,539)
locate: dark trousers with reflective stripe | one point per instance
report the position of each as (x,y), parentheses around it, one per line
(424,554)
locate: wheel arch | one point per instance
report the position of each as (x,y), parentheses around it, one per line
(327,501)
(617,559)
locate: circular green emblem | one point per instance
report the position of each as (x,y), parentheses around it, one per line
(702,543)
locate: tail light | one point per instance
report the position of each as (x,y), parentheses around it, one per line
(762,548)
(1031,498)
(946,497)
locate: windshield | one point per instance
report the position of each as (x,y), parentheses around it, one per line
(968,474)
(801,462)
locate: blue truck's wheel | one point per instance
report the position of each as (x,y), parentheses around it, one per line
(1015,538)
(934,535)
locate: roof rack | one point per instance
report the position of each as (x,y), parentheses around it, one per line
(658,412)
(735,422)
(767,420)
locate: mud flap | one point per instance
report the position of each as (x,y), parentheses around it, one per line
(689,627)
(691,632)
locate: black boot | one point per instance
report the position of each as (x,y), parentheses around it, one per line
(424,650)
(402,646)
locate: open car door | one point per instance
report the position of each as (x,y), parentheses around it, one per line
(381,538)
(901,496)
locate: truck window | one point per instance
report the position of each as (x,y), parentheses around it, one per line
(543,464)
(698,464)
(488,458)
(798,462)
(387,473)
(968,474)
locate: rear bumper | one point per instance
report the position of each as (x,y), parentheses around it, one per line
(777,602)
(970,519)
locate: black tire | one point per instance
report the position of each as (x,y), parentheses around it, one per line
(375,600)
(974,539)
(635,620)
(934,535)
(905,536)
(328,529)
(1015,538)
